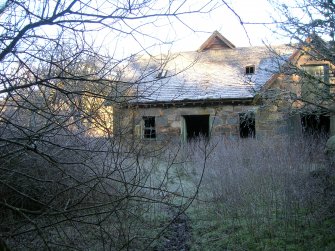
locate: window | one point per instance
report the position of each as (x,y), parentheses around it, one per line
(315,82)
(196,126)
(247,125)
(317,71)
(149,131)
(250,69)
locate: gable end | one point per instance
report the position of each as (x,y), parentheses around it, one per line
(216,42)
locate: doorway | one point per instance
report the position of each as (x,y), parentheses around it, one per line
(315,125)
(196,125)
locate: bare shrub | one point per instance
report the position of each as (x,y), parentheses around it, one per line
(97,193)
(259,182)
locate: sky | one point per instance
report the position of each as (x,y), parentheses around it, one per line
(180,37)
(194,29)
(228,24)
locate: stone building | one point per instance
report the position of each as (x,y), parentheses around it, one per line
(220,90)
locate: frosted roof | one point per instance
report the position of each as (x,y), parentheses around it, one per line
(207,75)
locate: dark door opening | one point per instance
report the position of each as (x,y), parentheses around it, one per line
(315,125)
(197,125)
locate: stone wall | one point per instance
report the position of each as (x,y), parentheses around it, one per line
(224,120)
(281,109)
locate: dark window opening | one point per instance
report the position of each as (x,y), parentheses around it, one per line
(250,69)
(197,125)
(315,125)
(149,128)
(247,125)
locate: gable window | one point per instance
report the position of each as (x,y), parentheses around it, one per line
(247,125)
(250,69)
(315,82)
(149,129)
(317,71)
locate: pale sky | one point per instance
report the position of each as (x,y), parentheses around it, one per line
(181,38)
(228,24)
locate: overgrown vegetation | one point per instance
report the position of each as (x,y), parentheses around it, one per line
(82,199)
(265,195)
(68,178)
(254,195)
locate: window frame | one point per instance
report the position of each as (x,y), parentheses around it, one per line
(250,70)
(149,124)
(323,84)
(325,74)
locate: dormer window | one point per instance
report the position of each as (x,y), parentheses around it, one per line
(250,69)
(162,74)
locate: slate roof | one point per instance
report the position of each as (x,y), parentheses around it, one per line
(204,75)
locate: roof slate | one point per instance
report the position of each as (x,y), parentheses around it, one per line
(205,75)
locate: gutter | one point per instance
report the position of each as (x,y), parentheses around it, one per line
(191,103)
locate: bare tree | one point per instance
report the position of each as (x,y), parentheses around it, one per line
(310,27)
(66,179)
